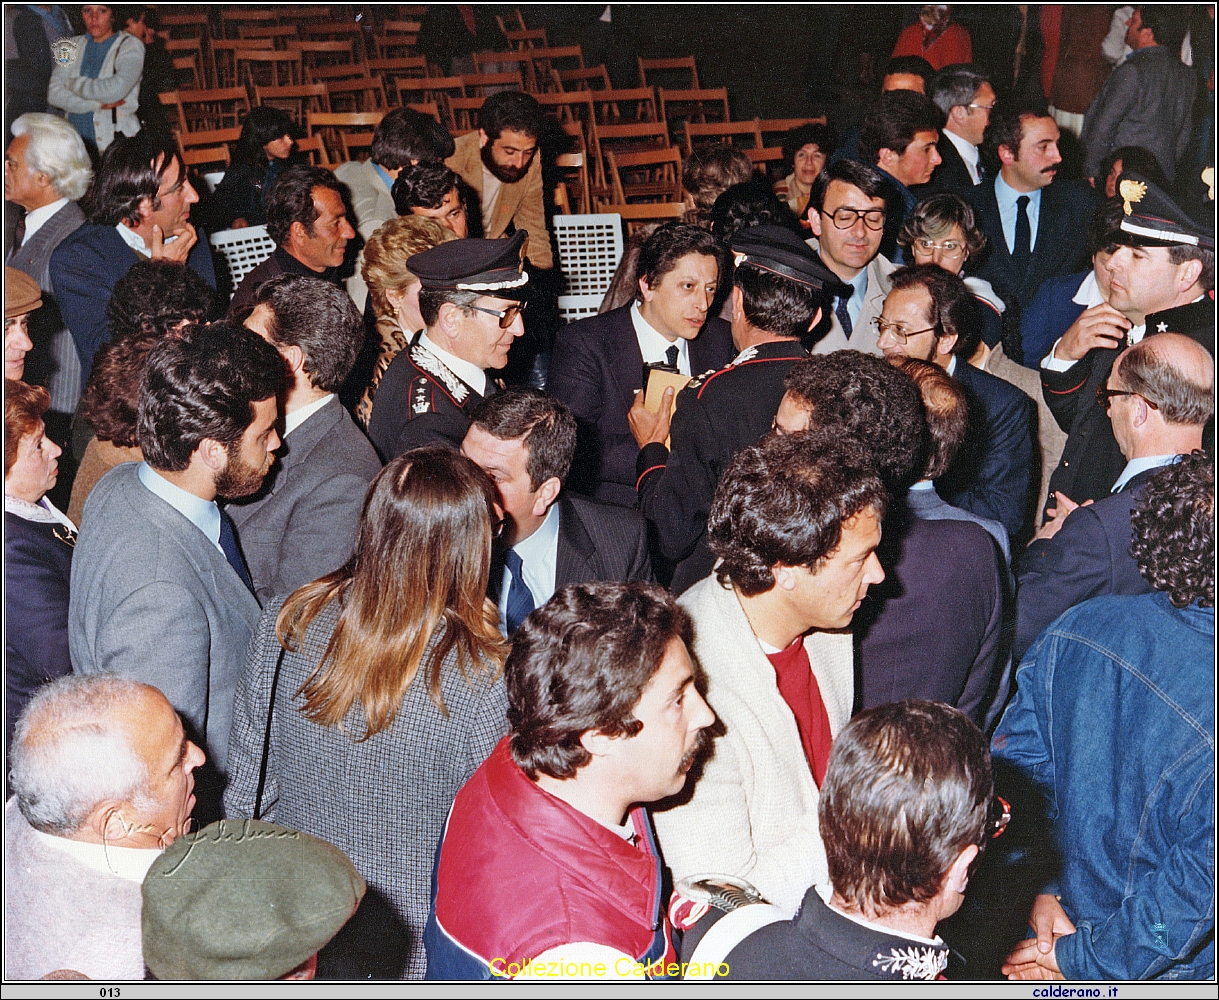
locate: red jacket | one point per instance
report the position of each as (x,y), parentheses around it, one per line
(951,46)
(519,871)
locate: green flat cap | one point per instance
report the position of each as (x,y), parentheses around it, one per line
(243,899)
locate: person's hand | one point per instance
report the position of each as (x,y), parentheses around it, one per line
(1054,517)
(649,427)
(239,224)
(1035,957)
(177,250)
(1100,326)
(113,104)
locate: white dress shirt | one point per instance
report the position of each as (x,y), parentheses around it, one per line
(128,863)
(969,153)
(539,556)
(653,345)
(35,219)
(297,417)
(471,374)
(203,514)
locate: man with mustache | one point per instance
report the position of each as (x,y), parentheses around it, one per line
(1036,227)
(548,867)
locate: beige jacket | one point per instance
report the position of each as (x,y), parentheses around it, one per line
(753,813)
(863,337)
(520,203)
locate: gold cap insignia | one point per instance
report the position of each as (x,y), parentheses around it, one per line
(1208,178)
(1132,192)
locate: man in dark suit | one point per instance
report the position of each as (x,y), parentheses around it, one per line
(302,524)
(1036,228)
(46,169)
(598,363)
(139,207)
(966,98)
(1159,396)
(928,315)
(525,441)
(471,298)
(1161,280)
(779,291)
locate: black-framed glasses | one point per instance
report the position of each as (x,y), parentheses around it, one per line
(898,333)
(1104,396)
(845,218)
(506,316)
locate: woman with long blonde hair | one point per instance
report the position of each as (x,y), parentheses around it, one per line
(373,693)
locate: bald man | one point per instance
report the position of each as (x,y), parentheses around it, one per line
(1159,398)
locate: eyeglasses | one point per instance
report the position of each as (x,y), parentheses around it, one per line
(845,218)
(949,248)
(1104,396)
(506,316)
(896,332)
(981,107)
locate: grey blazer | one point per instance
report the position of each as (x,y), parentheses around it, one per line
(374,205)
(302,524)
(153,599)
(53,361)
(863,337)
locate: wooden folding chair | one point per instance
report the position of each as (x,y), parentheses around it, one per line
(632,137)
(653,174)
(192,48)
(723,132)
(208,140)
(366,93)
(544,60)
(641,215)
(520,22)
(344,32)
(476,84)
(297,100)
(169,100)
(330,127)
(501,62)
(392,70)
(188,64)
(402,27)
(576,106)
(693,105)
(667,65)
(528,39)
(325,74)
(231,18)
(315,149)
(269,68)
(430,108)
(277,34)
(323,53)
(575,164)
(430,90)
(224,107)
(394,46)
(764,159)
(223,52)
(185,25)
(463,113)
(612,104)
(589,78)
(778,127)
(355,143)
(209,155)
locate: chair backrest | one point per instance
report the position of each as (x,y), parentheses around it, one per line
(430,108)
(525,39)
(463,113)
(169,99)
(242,249)
(589,78)
(278,33)
(667,65)
(575,106)
(653,173)
(353,143)
(315,149)
(190,64)
(544,59)
(208,137)
(764,160)
(208,154)
(499,62)
(640,102)
(297,100)
(640,215)
(231,17)
(281,67)
(704,134)
(364,93)
(224,107)
(777,127)
(324,74)
(394,46)
(590,249)
(429,88)
(693,105)
(323,53)
(185,25)
(476,84)
(331,126)
(402,27)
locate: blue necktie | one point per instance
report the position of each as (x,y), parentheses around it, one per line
(844,316)
(671,356)
(228,542)
(1023,249)
(520,600)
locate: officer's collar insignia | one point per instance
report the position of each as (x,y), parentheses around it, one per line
(434,366)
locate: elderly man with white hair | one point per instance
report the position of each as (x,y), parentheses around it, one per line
(46,171)
(102,782)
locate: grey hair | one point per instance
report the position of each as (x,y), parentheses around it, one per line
(955,86)
(70,752)
(57,150)
(1156,379)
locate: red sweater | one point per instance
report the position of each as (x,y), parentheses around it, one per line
(952,46)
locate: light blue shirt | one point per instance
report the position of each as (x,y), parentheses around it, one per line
(855,302)
(539,555)
(1137,465)
(203,514)
(381,172)
(1006,197)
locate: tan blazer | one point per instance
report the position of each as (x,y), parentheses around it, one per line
(753,813)
(520,203)
(863,337)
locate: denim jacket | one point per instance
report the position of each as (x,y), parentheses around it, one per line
(1114,721)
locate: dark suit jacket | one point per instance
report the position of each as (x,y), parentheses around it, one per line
(280,262)
(597,542)
(1061,244)
(1089,557)
(933,628)
(302,524)
(951,176)
(996,468)
(84,269)
(1049,315)
(596,369)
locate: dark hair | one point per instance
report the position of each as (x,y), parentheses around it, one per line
(708,172)
(290,199)
(954,310)
(1141,161)
(262,125)
(946,411)
(404,135)
(935,215)
(1145,369)
(777,304)
(1173,524)
(785,500)
(908,787)
(203,384)
(863,397)
(1006,126)
(671,242)
(954,86)
(915,65)
(821,136)
(127,175)
(545,423)
(423,186)
(1166,24)
(752,203)
(24,406)
(318,317)
(1204,255)
(580,662)
(868,179)
(431,299)
(1104,226)
(146,304)
(512,110)
(896,119)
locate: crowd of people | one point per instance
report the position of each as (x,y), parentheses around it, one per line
(872,518)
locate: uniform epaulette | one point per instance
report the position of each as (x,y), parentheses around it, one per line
(420,397)
(697,381)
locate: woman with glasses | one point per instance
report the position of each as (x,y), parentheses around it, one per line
(372,694)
